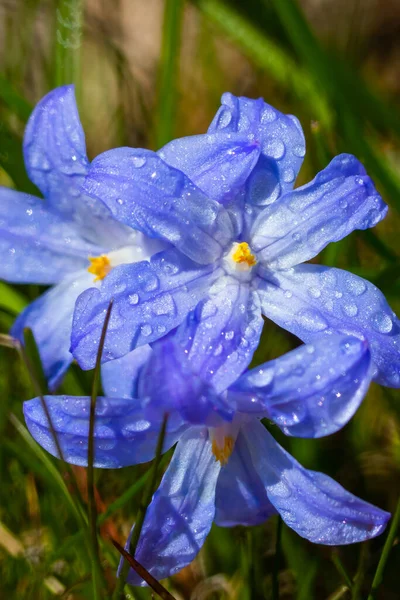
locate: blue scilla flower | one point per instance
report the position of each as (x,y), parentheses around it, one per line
(237,235)
(227,468)
(67,240)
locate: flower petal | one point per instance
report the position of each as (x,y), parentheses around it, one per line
(142,191)
(340,199)
(167,384)
(122,435)
(311,299)
(50,318)
(180,515)
(240,497)
(281,142)
(311,503)
(218,163)
(119,376)
(312,391)
(55,149)
(150,299)
(222,333)
(36,244)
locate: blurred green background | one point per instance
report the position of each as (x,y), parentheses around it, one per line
(147,71)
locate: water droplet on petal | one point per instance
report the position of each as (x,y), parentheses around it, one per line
(356,286)
(133,298)
(382,322)
(299,150)
(274,149)
(314,292)
(312,320)
(350,310)
(288,175)
(146,330)
(268,115)
(138,161)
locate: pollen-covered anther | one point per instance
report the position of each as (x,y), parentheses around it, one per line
(223,453)
(99,266)
(242,255)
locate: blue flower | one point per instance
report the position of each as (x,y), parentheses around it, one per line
(67,240)
(237,235)
(227,467)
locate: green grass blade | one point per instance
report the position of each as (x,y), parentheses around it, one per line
(394,526)
(96,571)
(50,468)
(268,55)
(68,43)
(14,101)
(11,300)
(168,72)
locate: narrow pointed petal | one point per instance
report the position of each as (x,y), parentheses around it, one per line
(180,515)
(311,503)
(312,391)
(36,244)
(339,200)
(150,298)
(310,299)
(50,318)
(142,191)
(55,149)
(218,163)
(122,435)
(241,498)
(281,143)
(119,376)
(222,333)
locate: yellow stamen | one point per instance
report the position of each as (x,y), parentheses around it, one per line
(243,254)
(99,266)
(223,454)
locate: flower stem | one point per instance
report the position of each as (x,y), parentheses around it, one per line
(385,553)
(69,15)
(340,567)
(141,514)
(92,512)
(360,575)
(168,71)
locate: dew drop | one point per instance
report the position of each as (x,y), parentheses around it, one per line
(138,161)
(288,175)
(312,320)
(350,310)
(275,149)
(299,150)
(268,115)
(133,299)
(382,322)
(146,330)
(314,292)
(357,287)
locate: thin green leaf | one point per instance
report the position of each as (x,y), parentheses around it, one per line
(267,54)
(11,300)
(14,100)
(168,72)
(68,43)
